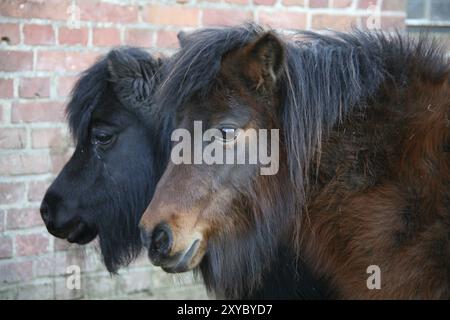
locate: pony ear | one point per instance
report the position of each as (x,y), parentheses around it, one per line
(264,59)
(134,74)
(182,38)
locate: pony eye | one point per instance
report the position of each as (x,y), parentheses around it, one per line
(102,138)
(229,134)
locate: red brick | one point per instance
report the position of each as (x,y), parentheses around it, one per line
(49,138)
(53,265)
(35,34)
(10,33)
(12,60)
(73,36)
(6,247)
(61,244)
(65,60)
(106,37)
(90,263)
(65,85)
(318,3)
(37,189)
(139,37)
(34,87)
(385,23)
(31,244)
(17,271)
(264,2)
(48,9)
(167,39)
(13,138)
(283,19)
(392,23)
(6,88)
(59,159)
(219,17)
(300,3)
(235,1)
(172,15)
(23,218)
(37,112)
(138,281)
(365,4)
(93,10)
(2,221)
(11,192)
(397,5)
(334,22)
(21,164)
(42,290)
(342,3)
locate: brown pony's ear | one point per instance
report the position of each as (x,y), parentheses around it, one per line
(264,60)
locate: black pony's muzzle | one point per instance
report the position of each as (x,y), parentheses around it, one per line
(63,223)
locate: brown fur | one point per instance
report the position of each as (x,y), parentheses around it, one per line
(378,192)
(382,199)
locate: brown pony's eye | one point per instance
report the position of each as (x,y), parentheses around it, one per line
(229,134)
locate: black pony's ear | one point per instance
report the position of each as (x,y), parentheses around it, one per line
(182,38)
(264,59)
(135,75)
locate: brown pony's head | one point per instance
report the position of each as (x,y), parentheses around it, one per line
(205,201)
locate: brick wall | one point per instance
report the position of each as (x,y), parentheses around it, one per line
(44,46)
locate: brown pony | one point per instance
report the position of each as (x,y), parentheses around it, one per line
(364,165)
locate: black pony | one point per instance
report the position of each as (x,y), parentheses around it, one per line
(364,169)
(110,179)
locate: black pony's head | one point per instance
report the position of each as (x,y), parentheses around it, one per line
(105,187)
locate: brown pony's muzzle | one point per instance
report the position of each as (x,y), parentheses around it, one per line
(172,234)
(172,249)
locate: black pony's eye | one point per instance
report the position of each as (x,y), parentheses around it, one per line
(102,138)
(228,134)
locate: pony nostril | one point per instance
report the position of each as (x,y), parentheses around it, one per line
(49,208)
(45,213)
(161,241)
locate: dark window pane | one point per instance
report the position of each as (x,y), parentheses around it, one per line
(416,9)
(440,10)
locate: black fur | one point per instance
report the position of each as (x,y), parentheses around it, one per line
(104,189)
